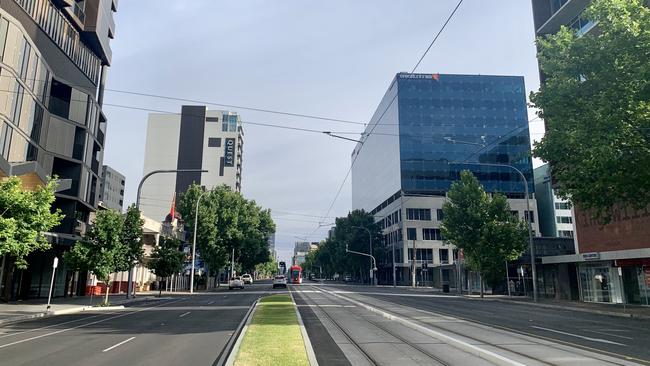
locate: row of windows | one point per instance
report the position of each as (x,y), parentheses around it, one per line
(565,233)
(390,219)
(423,214)
(562,205)
(63,33)
(515,213)
(564,219)
(14,147)
(427,234)
(229,123)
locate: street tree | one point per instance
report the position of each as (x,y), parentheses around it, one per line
(594,101)
(226,222)
(132,239)
(267,269)
(482,227)
(24,217)
(166,259)
(101,250)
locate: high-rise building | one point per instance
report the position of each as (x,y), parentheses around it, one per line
(111,189)
(612,260)
(55,56)
(195,139)
(301,249)
(555,214)
(415,146)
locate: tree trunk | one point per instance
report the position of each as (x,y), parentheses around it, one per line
(159,289)
(480,278)
(106,295)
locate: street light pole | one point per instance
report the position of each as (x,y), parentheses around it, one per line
(137,206)
(196,221)
(374,283)
(374,262)
(527,216)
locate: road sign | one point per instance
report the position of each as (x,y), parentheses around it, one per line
(55,263)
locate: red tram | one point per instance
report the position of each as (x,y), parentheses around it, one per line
(295,274)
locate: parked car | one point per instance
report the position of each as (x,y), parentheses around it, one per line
(280,281)
(235,282)
(248,279)
(347,278)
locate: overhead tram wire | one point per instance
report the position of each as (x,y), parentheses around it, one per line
(167,97)
(338,193)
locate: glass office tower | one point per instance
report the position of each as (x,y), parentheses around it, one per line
(411,152)
(427,122)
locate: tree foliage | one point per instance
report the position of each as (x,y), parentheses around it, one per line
(482,227)
(596,105)
(101,250)
(227,220)
(267,269)
(167,258)
(24,217)
(132,236)
(331,255)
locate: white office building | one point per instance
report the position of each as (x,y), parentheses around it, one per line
(197,138)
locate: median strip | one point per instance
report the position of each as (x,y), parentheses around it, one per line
(273,336)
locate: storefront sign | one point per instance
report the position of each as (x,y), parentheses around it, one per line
(229,153)
(591,256)
(647,277)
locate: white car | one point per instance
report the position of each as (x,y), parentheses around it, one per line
(280,281)
(235,282)
(248,279)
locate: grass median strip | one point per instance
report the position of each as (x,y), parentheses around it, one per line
(273,336)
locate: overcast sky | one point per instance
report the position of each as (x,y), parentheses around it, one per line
(331,58)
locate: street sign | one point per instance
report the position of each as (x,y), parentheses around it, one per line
(55,263)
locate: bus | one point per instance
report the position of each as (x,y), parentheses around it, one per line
(295,274)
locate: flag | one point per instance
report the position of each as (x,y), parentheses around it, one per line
(172,211)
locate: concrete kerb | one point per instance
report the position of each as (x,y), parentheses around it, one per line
(464,346)
(574,308)
(311,355)
(243,326)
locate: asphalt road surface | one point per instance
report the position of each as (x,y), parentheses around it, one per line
(175,330)
(620,338)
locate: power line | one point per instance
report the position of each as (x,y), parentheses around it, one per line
(437,35)
(167,97)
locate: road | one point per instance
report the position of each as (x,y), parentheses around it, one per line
(175,330)
(524,334)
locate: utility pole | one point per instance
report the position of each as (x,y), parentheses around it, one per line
(49,296)
(413,265)
(232,263)
(372,270)
(196,221)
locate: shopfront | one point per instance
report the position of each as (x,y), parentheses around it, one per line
(600,282)
(635,279)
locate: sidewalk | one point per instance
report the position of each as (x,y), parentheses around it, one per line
(17,311)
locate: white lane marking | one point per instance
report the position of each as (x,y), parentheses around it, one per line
(607,334)
(211,302)
(326,306)
(50,326)
(84,325)
(182,315)
(579,336)
(119,344)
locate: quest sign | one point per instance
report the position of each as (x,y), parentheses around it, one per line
(229,152)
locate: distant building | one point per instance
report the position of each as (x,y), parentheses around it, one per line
(111,189)
(402,171)
(195,139)
(555,214)
(300,251)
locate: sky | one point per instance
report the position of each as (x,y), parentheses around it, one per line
(331,58)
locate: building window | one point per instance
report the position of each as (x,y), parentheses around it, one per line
(440,214)
(564,219)
(214,142)
(565,233)
(419,214)
(431,234)
(411,233)
(514,213)
(530,214)
(422,254)
(212,119)
(444,255)
(562,206)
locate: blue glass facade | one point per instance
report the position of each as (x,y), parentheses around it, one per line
(433,111)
